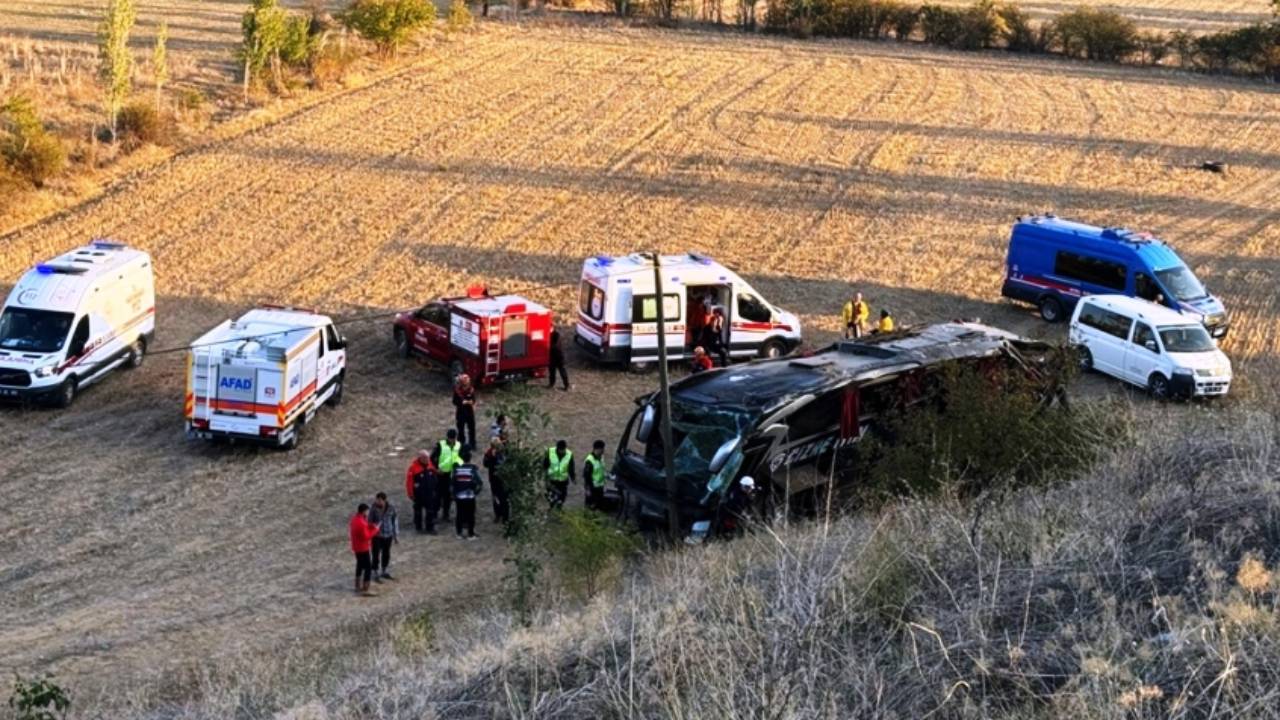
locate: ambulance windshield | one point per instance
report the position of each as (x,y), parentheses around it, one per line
(36,331)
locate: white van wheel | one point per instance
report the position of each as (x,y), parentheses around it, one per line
(66,393)
(643,368)
(335,398)
(1158,386)
(772,349)
(1050,309)
(137,351)
(1085,359)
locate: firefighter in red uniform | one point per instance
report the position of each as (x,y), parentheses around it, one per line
(419,485)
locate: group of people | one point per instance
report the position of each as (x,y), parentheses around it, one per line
(857,319)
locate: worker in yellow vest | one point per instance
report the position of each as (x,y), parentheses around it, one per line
(446,456)
(559,468)
(886,322)
(594,476)
(856,313)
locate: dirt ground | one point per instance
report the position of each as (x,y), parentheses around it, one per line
(811,167)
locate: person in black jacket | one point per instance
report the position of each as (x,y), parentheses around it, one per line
(466,486)
(493,459)
(557,362)
(464,415)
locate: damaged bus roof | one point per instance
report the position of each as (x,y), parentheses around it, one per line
(762,386)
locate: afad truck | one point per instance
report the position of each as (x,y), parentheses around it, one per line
(73,319)
(263,377)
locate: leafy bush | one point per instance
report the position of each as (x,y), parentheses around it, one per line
(459,17)
(388,24)
(904,19)
(263,28)
(1020,33)
(1252,49)
(1153,47)
(586,545)
(41,699)
(941,25)
(1096,34)
(141,124)
(30,151)
(298,44)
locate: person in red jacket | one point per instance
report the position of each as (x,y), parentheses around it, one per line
(362,533)
(419,484)
(701,360)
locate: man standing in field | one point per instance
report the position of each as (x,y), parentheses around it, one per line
(466,486)
(493,459)
(362,534)
(557,363)
(419,485)
(383,515)
(447,456)
(464,416)
(856,313)
(559,468)
(594,476)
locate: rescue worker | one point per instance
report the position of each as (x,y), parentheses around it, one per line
(446,457)
(594,476)
(856,313)
(493,459)
(713,336)
(464,414)
(419,485)
(465,486)
(886,322)
(383,514)
(701,360)
(557,363)
(362,533)
(735,511)
(559,467)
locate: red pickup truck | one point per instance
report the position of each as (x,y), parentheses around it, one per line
(491,338)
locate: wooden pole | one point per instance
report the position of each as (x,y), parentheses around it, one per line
(673,505)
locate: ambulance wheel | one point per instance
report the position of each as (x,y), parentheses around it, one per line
(137,352)
(773,349)
(643,368)
(336,398)
(66,393)
(1050,309)
(455,370)
(292,442)
(402,343)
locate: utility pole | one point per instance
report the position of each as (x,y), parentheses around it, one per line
(673,505)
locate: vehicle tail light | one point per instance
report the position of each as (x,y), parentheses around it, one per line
(200,423)
(604,335)
(268,431)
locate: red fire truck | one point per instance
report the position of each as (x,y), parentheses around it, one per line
(491,338)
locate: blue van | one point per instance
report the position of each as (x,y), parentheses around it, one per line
(1054,262)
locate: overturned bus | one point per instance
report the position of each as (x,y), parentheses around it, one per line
(792,423)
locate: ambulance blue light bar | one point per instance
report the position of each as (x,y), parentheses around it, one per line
(106,244)
(46,269)
(604,260)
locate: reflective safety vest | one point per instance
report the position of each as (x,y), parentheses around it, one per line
(594,470)
(886,324)
(450,456)
(557,466)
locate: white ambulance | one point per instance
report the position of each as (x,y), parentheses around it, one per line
(262,377)
(617,311)
(71,320)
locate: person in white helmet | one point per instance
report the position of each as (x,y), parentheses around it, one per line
(735,511)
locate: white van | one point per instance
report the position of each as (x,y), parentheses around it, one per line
(71,320)
(617,311)
(1149,345)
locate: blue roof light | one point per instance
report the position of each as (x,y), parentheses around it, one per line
(45,269)
(604,260)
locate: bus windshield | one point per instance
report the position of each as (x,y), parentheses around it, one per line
(1182,283)
(37,331)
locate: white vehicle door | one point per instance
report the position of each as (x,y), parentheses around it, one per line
(1111,338)
(1142,357)
(332,357)
(751,320)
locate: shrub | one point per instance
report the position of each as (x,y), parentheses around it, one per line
(41,699)
(1020,33)
(330,61)
(459,17)
(1096,34)
(1183,44)
(141,124)
(263,30)
(904,19)
(586,545)
(190,98)
(297,43)
(1253,49)
(388,24)
(1153,47)
(29,150)
(941,25)
(981,26)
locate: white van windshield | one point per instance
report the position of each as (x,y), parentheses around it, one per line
(37,331)
(1186,339)
(1182,283)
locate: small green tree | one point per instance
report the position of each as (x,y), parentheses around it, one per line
(459,17)
(115,61)
(524,479)
(160,62)
(388,24)
(586,546)
(26,147)
(41,699)
(263,29)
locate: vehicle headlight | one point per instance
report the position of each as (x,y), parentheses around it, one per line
(45,371)
(1206,372)
(1182,371)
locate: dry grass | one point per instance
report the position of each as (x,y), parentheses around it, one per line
(1167,15)
(1111,597)
(506,157)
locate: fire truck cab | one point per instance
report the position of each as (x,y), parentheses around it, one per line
(491,338)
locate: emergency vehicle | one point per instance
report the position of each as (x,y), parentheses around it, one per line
(490,338)
(262,377)
(617,311)
(71,320)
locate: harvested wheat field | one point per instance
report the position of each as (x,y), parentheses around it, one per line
(127,553)
(1195,16)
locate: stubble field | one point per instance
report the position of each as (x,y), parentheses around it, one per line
(813,168)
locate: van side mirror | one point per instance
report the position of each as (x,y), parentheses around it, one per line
(1151,345)
(646,424)
(723,454)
